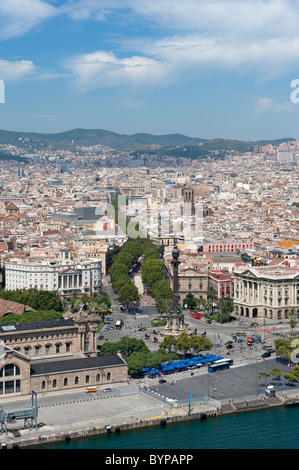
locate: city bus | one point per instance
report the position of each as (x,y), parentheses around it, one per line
(195,315)
(118,324)
(222,364)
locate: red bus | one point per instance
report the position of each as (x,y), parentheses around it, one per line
(118,324)
(195,315)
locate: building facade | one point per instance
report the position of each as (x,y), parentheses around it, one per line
(55,355)
(222,283)
(224,246)
(194,280)
(63,275)
(266,292)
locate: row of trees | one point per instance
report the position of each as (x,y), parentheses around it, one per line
(284,348)
(48,305)
(98,302)
(128,255)
(185,343)
(138,356)
(119,272)
(36,299)
(153,280)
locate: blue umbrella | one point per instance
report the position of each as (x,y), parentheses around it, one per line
(145,369)
(155,371)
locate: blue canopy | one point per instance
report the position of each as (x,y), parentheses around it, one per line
(155,371)
(145,369)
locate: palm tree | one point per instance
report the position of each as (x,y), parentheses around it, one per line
(212,295)
(293,316)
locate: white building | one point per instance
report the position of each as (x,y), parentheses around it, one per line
(266,292)
(63,276)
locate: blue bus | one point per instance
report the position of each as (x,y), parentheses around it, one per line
(222,364)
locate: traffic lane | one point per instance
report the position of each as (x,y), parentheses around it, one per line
(116,335)
(236,382)
(227,330)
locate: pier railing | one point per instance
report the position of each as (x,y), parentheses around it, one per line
(174,403)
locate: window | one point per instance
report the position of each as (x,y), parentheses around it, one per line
(76,380)
(13,385)
(65,382)
(87,379)
(54,383)
(109,376)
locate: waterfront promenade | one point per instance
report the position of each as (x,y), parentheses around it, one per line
(72,415)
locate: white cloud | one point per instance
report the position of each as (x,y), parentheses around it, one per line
(257,36)
(242,16)
(187,37)
(269,105)
(102,69)
(11,71)
(17,17)
(175,58)
(17,70)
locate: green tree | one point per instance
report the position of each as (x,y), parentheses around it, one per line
(128,294)
(283,348)
(189,301)
(276,372)
(162,290)
(293,318)
(226,309)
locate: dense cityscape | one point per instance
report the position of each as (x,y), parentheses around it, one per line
(89,270)
(149,227)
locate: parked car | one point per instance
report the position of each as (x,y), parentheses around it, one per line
(101,337)
(142,329)
(106,329)
(266,354)
(107,390)
(112,328)
(162,381)
(109,319)
(254,324)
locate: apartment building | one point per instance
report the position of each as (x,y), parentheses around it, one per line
(222,282)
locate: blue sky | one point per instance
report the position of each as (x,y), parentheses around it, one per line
(219,68)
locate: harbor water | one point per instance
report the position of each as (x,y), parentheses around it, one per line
(273,428)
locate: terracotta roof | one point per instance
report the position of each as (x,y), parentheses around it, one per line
(11,206)
(6,306)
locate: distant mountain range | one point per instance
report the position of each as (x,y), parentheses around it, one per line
(141,141)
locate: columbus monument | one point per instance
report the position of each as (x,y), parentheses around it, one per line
(175,318)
